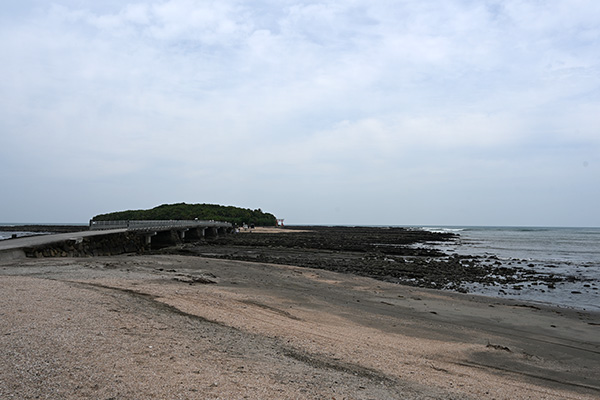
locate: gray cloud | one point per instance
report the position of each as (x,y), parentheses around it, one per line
(454,112)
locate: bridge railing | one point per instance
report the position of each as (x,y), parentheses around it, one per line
(103,225)
(158,225)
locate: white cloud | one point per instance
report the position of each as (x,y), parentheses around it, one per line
(326,93)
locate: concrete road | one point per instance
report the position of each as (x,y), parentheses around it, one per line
(29,241)
(11,248)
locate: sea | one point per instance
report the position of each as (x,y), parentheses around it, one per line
(17,229)
(569,253)
(16,232)
(572,254)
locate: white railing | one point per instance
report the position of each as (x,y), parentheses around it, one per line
(103,225)
(156,225)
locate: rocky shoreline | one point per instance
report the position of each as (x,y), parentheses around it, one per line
(198,327)
(398,255)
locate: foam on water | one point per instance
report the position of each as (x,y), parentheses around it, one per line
(9,234)
(571,253)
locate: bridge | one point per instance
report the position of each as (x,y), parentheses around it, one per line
(113,237)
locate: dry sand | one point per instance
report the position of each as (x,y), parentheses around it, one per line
(143,327)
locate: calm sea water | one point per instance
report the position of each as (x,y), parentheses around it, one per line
(572,253)
(20,232)
(16,231)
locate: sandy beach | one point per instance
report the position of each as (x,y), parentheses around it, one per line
(184,327)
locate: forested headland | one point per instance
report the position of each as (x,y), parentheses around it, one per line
(183,211)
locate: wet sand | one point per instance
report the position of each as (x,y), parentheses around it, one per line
(169,326)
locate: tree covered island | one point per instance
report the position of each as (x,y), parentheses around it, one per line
(183,211)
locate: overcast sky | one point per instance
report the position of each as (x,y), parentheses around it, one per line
(449,112)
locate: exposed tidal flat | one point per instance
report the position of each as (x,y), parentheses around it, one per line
(559,266)
(309,312)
